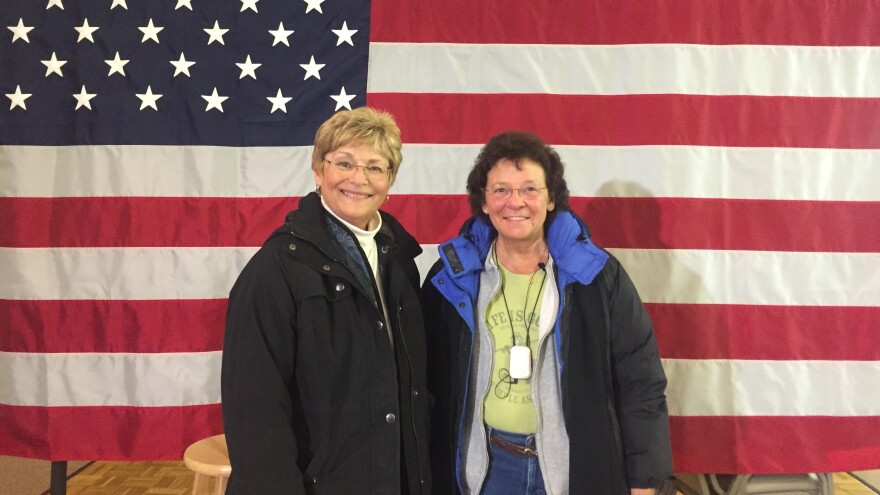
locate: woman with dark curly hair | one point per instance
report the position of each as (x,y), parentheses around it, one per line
(541,357)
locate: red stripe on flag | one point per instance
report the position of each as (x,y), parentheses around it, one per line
(138,221)
(716,331)
(684,331)
(656,223)
(774,444)
(191,325)
(106,433)
(680,223)
(711,22)
(627,120)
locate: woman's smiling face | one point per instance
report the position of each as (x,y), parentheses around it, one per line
(517,218)
(353,196)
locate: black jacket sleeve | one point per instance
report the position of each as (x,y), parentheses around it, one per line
(257,375)
(640,385)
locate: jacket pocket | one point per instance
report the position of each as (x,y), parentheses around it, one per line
(315,470)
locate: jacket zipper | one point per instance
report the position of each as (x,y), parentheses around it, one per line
(463,406)
(411,401)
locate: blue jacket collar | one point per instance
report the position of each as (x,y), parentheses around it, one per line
(576,257)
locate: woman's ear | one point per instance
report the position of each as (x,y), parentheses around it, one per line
(319,178)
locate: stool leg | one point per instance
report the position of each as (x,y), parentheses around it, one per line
(221,485)
(199,483)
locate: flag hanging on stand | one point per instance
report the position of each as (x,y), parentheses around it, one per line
(727,152)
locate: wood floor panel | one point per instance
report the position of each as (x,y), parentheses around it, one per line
(173,478)
(132,478)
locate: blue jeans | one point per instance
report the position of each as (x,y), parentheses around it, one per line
(509,473)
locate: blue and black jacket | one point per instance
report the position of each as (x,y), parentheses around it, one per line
(612,381)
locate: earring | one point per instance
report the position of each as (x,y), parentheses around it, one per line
(318,189)
(387,197)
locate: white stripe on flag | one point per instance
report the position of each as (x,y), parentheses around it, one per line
(810,174)
(743,277)
(762,70)
(719,387)
(662,276)
(754,277)
(171,171)
(120,273)
(659,171)
(763,388)
(114,379)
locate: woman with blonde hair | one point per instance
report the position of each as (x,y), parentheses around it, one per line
(323,378)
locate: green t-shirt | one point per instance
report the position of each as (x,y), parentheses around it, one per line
(508,406)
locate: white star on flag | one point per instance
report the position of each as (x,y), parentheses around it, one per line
(148,99)
(249,4)
(119,3)
(151,32)
(279,101)
(53,65)
(314,5)
(248,68)
(85,31)
(342,99)
(20,32)
(83,98)
(216,33)
(214,100)
(312,69)
(54,3)
(116,65)
(182,66)
(344,34)
(184,3)
(18,98)
(280,34)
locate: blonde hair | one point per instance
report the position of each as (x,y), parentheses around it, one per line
(363,125)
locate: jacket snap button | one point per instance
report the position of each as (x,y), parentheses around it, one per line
(380,325)
(461,305)
(390,418)
(292,247)
(340,287)
(440,281)
(326,268)
(384,249)
(415,393)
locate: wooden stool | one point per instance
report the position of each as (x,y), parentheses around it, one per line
(208,458)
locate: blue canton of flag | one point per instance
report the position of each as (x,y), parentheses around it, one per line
(228,72)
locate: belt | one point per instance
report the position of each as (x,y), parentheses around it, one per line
(520,450)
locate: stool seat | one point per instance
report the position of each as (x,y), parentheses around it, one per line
(208,458)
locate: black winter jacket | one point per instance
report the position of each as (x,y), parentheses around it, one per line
(612,382)
(316,400)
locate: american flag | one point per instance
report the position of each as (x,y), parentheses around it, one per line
(727,152)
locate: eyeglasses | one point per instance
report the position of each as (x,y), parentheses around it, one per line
(372,172)
(528,192)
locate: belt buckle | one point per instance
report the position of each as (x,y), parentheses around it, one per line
(527,451)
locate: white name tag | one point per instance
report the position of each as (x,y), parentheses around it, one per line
(520,362)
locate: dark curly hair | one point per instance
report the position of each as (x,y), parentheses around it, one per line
(515,146)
